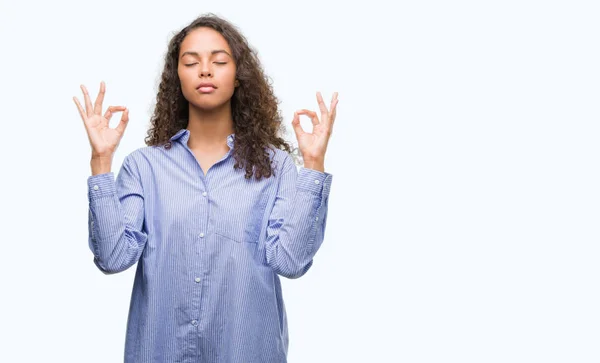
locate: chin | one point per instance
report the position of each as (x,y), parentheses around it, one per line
(207,104)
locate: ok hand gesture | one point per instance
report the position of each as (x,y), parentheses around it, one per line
(313,145)
(103,140)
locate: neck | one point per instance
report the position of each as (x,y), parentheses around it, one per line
(209,129)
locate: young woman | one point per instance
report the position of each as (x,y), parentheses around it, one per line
(213,209)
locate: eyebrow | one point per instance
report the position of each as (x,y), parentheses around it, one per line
(212,52)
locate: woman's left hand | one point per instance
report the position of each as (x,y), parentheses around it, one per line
(313,145)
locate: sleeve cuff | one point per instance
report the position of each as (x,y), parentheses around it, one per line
(314,181)
(101,185)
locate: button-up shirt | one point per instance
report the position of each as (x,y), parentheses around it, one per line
(210,250)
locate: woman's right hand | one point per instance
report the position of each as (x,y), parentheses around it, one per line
(103,140)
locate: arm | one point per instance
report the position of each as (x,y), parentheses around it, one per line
(115,218)
(296,226)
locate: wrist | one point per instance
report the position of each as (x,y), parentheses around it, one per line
(315,164)
(100,165)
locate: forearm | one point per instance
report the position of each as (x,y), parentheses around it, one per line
(115,237)
(294,238)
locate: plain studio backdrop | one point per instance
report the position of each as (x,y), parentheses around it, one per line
(465,205)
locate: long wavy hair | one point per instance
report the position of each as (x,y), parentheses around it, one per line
(256,119)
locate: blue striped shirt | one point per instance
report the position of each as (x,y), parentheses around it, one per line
(210,251)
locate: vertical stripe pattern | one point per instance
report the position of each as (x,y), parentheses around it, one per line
(210,250)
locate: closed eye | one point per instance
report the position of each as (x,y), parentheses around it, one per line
(191,64)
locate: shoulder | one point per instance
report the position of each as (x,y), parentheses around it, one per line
(141,157)
(144,153)
(133,156)
(281,159)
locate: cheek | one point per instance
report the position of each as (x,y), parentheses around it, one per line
(184,83)
(182,76)
(230,76)
(185,80)
(229,72)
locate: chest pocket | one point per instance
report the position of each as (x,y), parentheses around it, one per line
(237,211)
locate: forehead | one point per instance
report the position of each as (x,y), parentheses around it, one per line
(203,40)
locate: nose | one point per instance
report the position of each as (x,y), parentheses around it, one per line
(205,70)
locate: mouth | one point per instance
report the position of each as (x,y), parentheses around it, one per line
(206,89)
(206,85)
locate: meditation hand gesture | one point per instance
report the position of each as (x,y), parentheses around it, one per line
(103,140)
(313,145)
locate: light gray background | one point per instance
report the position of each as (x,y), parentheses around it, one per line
(464,211)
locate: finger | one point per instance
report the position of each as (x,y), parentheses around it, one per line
(296,125)
(313,116)
(124,121)
(112,109)
(88,103)
(333,112)
(100,99)
(323,108)
(80,108)
(333,99)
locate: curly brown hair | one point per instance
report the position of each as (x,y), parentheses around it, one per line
(254,107)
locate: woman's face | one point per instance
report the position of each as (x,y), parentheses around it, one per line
(205,57)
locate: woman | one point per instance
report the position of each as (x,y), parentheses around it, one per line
(213,209)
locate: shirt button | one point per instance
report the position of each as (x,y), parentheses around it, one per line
(204,194)
(194,322)
(197,279)
(95,187)
(316,218)
(316,181)
(201,235)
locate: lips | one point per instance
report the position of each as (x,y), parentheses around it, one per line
(206,86)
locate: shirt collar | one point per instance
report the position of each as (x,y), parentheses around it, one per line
(184,134)
(179,134)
